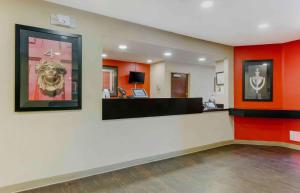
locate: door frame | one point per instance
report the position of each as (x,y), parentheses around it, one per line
(187,84)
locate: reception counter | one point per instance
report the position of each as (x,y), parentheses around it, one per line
(149,107)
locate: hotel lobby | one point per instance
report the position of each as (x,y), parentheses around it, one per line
(161,96)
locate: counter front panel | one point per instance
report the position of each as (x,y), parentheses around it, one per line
(134,108)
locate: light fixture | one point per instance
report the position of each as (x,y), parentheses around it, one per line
(263,26)
(207,4)
(168,54)
(265,64)
(149,61)
(57,53)
(104,55)
(123,47)
(202,59)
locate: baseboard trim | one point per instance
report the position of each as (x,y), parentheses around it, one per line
(268,143)
(96,171)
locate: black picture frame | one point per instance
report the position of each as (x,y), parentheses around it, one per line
(268,88)
(218,78)
(114,92)
(22,102)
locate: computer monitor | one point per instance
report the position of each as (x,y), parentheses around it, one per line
(139,93)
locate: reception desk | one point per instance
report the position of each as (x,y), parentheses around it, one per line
(149,107)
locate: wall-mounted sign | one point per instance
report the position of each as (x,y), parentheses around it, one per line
(177,75)
(63,20)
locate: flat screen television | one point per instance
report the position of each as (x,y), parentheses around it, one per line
(137,77)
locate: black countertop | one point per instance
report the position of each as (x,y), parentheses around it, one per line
(214,110)
(289,114)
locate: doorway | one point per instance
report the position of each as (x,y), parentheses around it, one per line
(179,85)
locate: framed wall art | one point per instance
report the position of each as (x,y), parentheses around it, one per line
(258,80)
(48,70)
(220,79)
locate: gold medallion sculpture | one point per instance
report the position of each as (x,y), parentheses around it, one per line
(51,81)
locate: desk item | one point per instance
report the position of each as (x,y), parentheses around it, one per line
(209,105)
(106,94)
(212,99)
(122,92)
(139,93)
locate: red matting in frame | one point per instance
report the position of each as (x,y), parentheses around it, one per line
(41,50)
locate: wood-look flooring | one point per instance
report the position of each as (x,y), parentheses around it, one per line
(229,169)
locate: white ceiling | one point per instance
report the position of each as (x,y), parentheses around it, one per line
(141,52)
(231,22)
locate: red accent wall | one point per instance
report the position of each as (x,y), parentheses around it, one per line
(286,92)
(291,73)
(124,69)
(273,52)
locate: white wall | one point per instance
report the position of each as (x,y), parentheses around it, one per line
(158,80)
(37,145)
(223,96)
(220,95)
(201,79)
(227,84)
(220,66)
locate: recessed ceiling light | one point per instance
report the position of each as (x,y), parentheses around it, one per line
(149,61)
(104,55)
(263,26)
(168,54)
(207,4)
(202,59)
(123,47)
